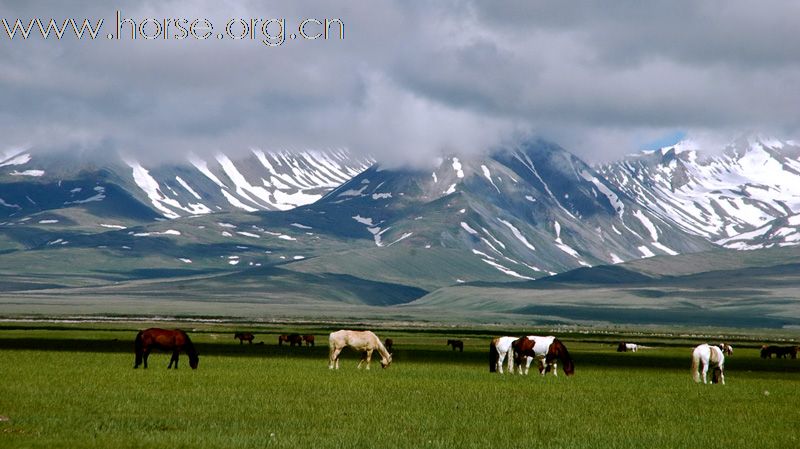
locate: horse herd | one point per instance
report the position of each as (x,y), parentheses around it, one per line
(516,352)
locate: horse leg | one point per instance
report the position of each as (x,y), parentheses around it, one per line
(554,366)
(369,357)
(363,358)
(500,359)
(333,358)
(705,372)
(144,357)
(173,359)
(528,364)
(721,375)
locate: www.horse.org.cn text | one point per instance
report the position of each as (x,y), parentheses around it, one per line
(271,32)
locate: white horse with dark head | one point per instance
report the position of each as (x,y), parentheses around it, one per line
(362,341)
(705,356)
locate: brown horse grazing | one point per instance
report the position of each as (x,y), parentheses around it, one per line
(292,339)
(166,340)
(243,336)
(389,343)
(780,351)
(546,350)
(309,339)
(456,344)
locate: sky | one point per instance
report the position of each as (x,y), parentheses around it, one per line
(409,81)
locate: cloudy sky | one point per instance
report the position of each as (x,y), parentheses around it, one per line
(410,79)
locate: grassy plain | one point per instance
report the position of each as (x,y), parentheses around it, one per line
(74,387)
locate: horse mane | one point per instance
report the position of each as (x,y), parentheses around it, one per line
(382,349)
(189,347)
(563,354)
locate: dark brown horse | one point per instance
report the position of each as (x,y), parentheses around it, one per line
(165,340)
(309,339)
(456,344)
(546,350)
(292,339)
(243,336)
(780,351)
(389,343)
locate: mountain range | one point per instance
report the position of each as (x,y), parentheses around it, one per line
(299,227)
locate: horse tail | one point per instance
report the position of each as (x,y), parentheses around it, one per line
(696,366)
(138,349)
(493,356)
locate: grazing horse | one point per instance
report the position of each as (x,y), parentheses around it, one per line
(702,357)
(243,336)
(456,344)
(498,352)
(309,339)
(292,339)
(779,351)
(726,348)
(625,347)
(546,350)
(389,343)
(363,341)
(166,340)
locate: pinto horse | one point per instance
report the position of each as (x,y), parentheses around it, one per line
(702,357)
(243,336)
(166,340)
(292,339)
(309,339)
(456,344)
(499,350)
(726,348)
(625,347)
(363,341)
(546,350)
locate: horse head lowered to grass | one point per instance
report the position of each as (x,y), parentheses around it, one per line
(704,356)
(546,350)
(362,341)
(166,340)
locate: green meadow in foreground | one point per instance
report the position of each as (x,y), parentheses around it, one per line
(75,388)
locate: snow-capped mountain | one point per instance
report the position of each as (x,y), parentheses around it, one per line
(527,212)
(32,183)
(714,194)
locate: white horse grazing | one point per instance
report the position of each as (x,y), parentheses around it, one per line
(363,341)
(703,356)
(499,350)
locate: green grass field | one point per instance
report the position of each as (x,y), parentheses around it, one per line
(75,388)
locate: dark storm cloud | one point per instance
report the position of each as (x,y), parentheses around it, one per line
(410,80)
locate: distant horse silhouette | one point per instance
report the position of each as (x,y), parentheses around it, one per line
(456,344)
(546,350)
(779,351)
(625,347)
(292,339)
(363,341)
(166,340)
(309,339)
(702,357)
(242,336)
(389,343)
